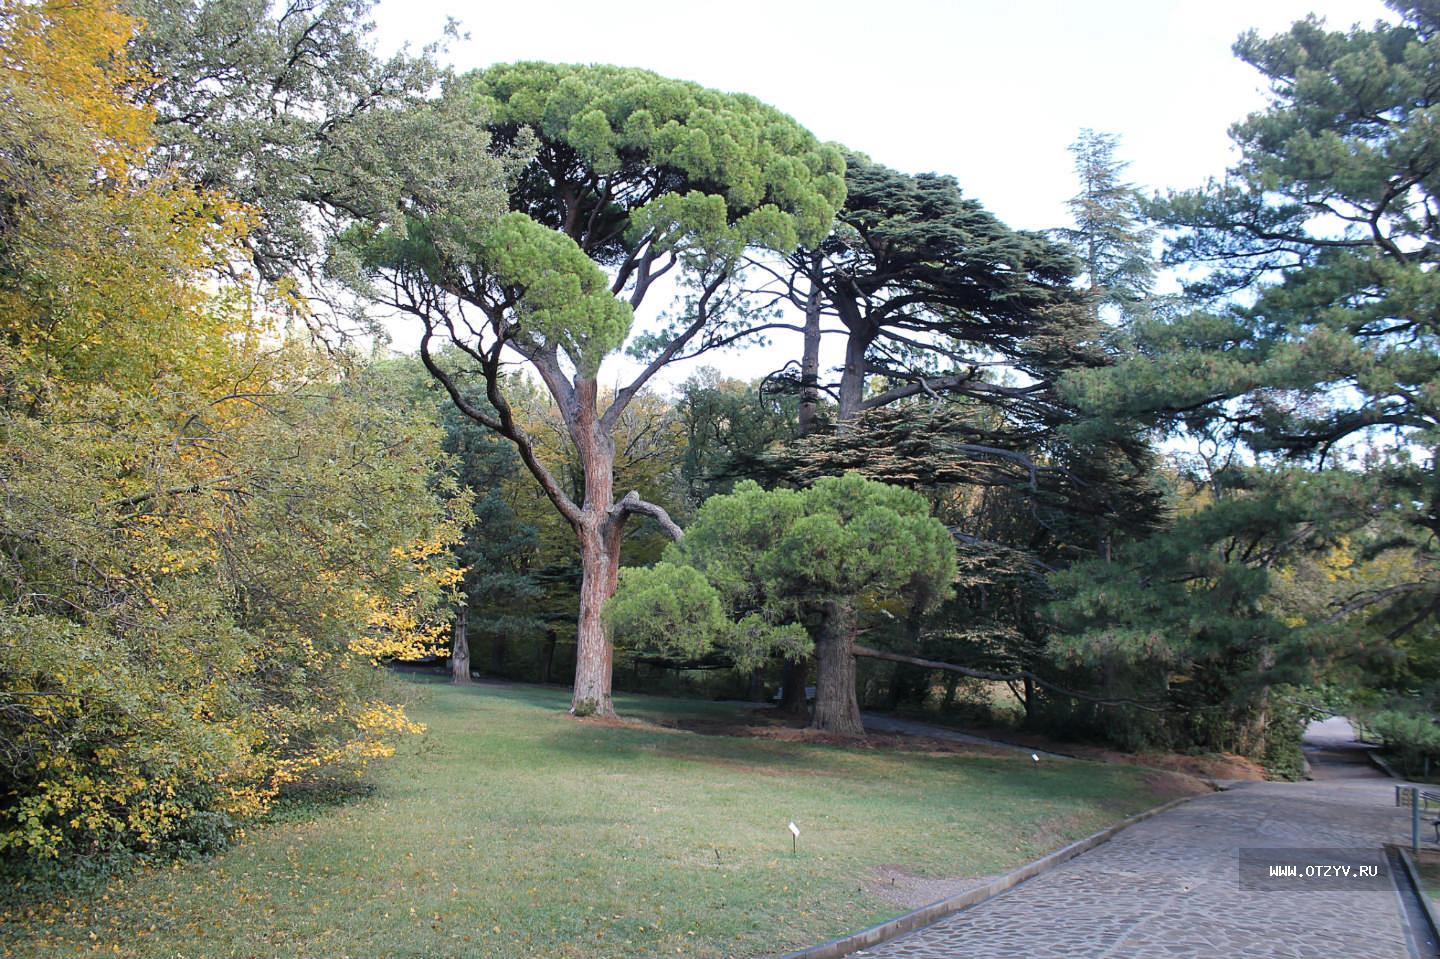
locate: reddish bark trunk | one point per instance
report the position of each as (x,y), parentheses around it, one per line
(594,655)
(599,533)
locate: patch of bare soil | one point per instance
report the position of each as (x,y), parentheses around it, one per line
(1209,766)
(783,730)
(894,884)
(1174,774)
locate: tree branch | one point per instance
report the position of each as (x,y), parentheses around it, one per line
(702,316)
(632,503)
(504,424)
(869,653)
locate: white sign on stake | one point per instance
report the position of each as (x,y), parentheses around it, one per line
(795,830)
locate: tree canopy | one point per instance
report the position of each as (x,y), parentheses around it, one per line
(932,291)
(755,567)
(615,177)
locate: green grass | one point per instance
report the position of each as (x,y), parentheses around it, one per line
(1429,865)
(513,830)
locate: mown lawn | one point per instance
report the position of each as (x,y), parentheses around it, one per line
(1429,864)
(512,830)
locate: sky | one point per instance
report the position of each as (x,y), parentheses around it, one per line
(991,92)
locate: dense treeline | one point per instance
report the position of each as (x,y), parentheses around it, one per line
(1000,473)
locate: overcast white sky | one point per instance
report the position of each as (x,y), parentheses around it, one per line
(992,92)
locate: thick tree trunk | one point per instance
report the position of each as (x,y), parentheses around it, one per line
(460,647)
(1029,701)
(852,381)
(599,532)
(861,333)
(836,709)
(594,656)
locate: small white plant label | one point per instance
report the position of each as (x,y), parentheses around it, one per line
(795,830)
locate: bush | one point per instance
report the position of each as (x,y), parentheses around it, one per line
(1412,737)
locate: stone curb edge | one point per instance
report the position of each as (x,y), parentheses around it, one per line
(927,915)
(1427,905)
(1374,756)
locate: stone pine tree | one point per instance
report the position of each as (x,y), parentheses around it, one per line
(1111,237)
(617,177)
(756,565)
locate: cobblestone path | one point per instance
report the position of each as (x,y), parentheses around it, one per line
(1168,887)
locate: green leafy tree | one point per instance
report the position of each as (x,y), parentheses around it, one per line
(933,295)
(618,177)
(1020,503)
(210,531)
(287,108)
(1195,611)
(755,565)
(501,587)
(728,425)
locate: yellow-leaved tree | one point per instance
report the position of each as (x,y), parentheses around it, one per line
(210,531)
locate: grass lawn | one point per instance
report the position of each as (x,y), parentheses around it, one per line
(513,830)
(1429,865)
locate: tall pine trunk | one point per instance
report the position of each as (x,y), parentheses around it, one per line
(810,361)
(794,673)
(836,709)
(599,534)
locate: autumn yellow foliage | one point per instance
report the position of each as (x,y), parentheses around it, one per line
(210,531)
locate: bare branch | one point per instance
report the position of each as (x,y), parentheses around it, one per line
(867,652)
(702,316)
(632,503)
(504,424)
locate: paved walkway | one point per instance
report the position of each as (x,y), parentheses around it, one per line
(1168,887)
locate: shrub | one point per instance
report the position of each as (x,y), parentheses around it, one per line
(1413,737)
